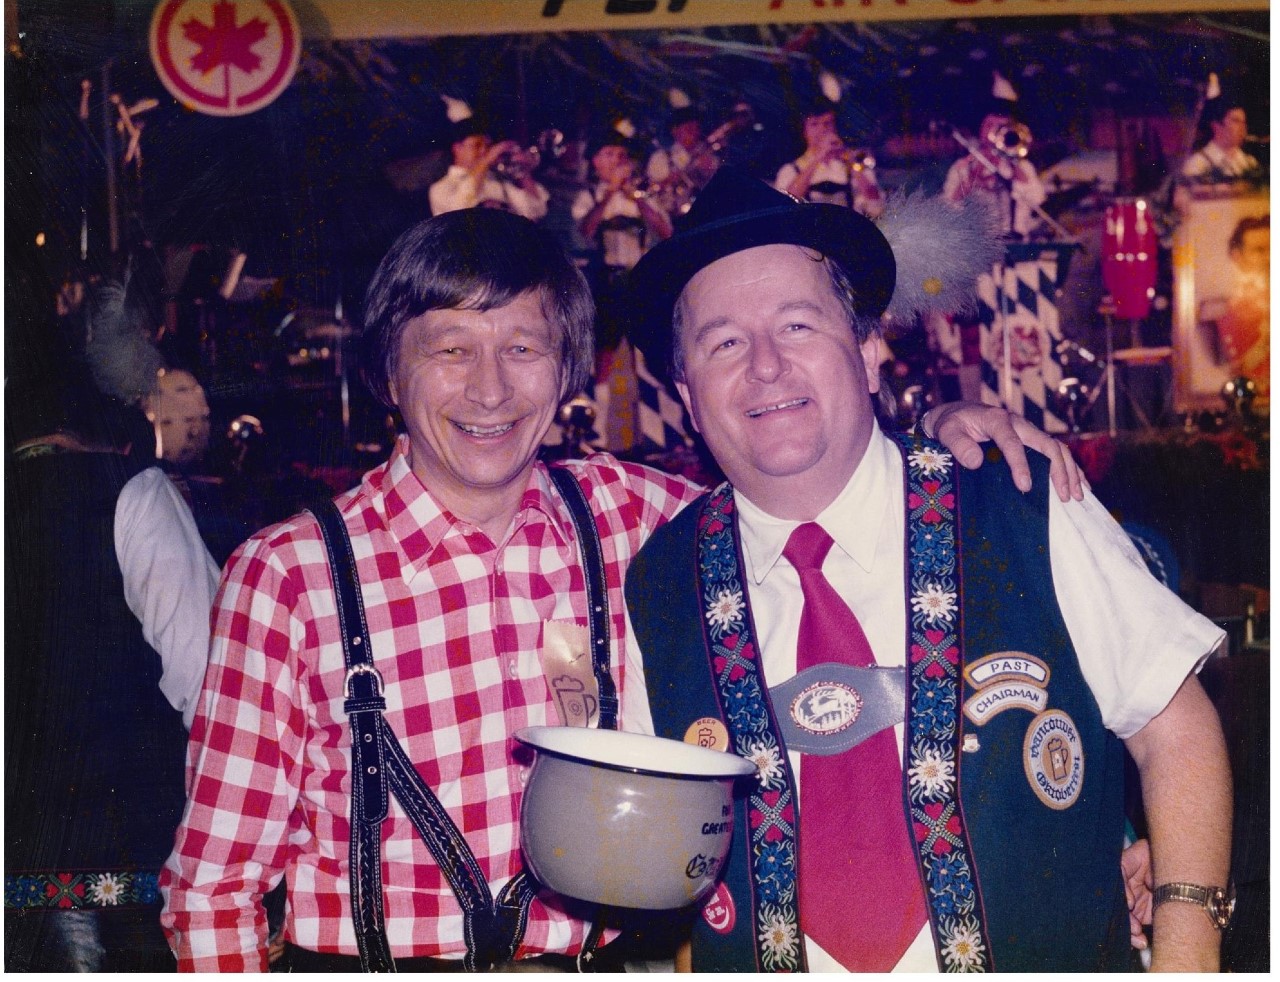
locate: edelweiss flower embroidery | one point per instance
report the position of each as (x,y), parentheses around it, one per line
(767,760)
(929,461)
(778,937)
(725,609)
(934,603)
(962,946)
(107,889)
(930,775)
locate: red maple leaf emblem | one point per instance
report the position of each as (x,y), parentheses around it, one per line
(224,43)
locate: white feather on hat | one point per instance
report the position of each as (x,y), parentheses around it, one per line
(455,109)
(940,249)
(121,356)
(1002,88)
(1214,89)
(678,98)
(830,85)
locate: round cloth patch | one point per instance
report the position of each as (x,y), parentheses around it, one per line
(826,707)
(1053,758)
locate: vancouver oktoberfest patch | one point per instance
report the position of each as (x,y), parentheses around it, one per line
(1053,757)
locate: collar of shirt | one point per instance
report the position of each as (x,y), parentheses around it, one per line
(855,528)
(418,523)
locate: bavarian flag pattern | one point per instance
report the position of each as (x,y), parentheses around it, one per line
(933,726)
(740,689)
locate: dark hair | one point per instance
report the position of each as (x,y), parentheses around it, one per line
(1243,228)
(474,259)
(685,114)
(863,326)
(1216,109)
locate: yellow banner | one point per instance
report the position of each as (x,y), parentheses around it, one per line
(345,19)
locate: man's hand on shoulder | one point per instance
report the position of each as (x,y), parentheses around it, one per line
(961,426)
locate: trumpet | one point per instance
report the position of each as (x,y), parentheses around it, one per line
(519,163)
(859,159)
(1012,140)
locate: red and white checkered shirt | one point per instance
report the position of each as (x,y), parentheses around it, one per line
(455,622)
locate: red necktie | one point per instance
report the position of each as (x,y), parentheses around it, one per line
(860,893)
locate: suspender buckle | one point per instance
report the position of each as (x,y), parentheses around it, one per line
(363,668)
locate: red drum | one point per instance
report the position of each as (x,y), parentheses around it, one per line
(1129,256)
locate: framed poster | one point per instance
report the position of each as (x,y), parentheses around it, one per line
(1222,298)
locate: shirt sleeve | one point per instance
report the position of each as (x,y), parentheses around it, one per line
(1196,164)
(953,186)
(169,582)
(453,192)
(659,166)
(243,769)
(1029,189)
(582,204)
(636,714)
(531,205)
(786,174)
(1135,639)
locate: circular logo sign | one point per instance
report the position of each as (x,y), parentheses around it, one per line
(826,708)
(1053,758)
(225,57)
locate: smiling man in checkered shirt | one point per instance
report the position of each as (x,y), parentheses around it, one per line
(477,327)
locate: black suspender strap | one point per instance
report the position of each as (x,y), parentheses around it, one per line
(584,526)
(493,929)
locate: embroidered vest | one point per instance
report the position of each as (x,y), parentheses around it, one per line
(1013,787)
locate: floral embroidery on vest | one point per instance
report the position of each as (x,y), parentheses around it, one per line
(932,751)
(771,813)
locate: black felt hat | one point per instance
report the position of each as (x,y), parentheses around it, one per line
(735,211)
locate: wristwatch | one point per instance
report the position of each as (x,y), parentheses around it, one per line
(1218,903)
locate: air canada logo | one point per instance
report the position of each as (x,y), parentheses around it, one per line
(825,708)
(1053,758)
(225,57)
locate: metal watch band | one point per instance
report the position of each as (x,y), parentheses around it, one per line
(1218,903)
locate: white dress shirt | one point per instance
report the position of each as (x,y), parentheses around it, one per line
(169,582)
(458,189)
(1211,157)
(1135,640)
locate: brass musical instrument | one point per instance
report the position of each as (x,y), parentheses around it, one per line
(517,164)
(1012,140)
(682,185)
(859,159)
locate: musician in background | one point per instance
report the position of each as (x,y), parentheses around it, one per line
(829,171)
(619,214)
(485,174)
(681,168)
(1223,158)
(996,170)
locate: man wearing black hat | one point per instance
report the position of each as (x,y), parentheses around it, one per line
(829,171)
(485,174)
(935,672)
